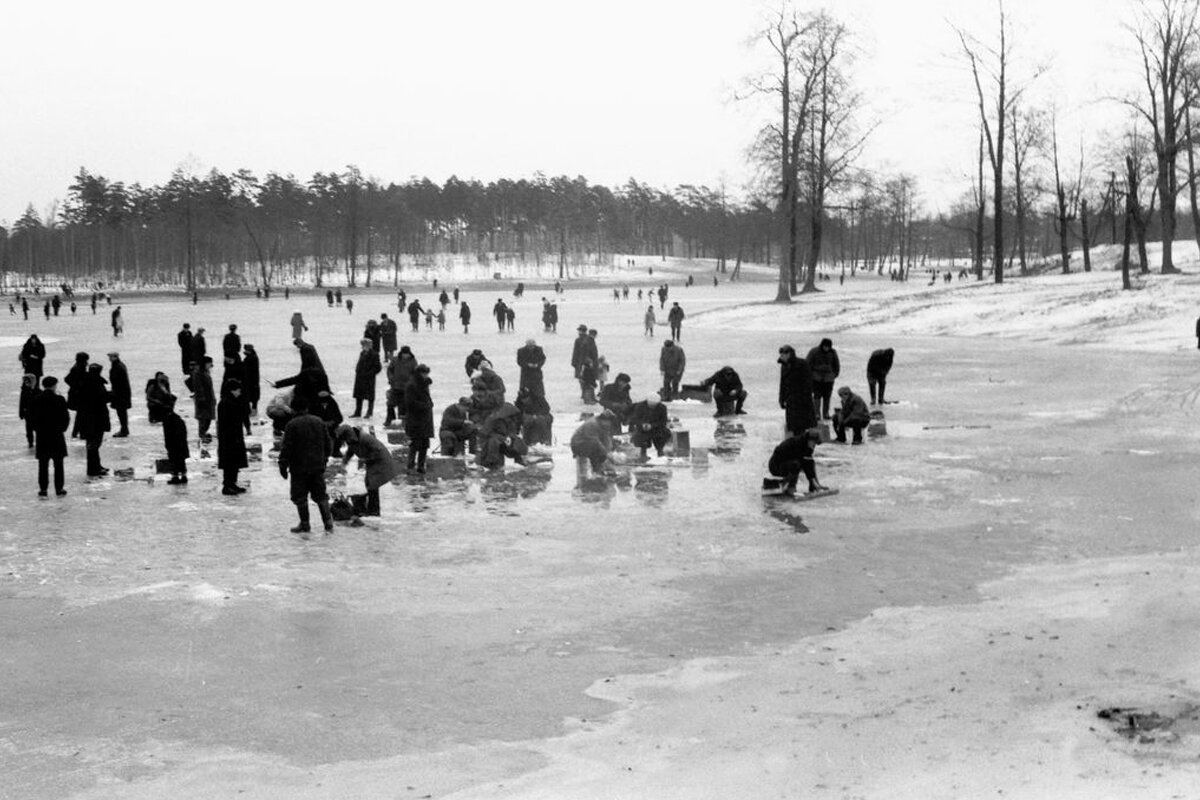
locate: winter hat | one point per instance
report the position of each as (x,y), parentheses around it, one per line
(405,349)
(232,328)
(49,381)
(423,369)
(845,390)
(94,367)
(621,376)
(248,348)
(582,328)
(827,343)
(668,343)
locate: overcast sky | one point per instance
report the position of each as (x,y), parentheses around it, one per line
(494,88)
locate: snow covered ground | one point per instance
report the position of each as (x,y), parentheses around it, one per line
(1015,556)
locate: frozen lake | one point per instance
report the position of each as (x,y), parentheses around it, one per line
(171,642)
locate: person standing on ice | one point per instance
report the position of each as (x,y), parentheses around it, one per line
(232,420)
(51,419)
(303,455)
(878,367)
(365,370)
(121,393)
(375,458)
(671,362)
(795,391)
(583,350)
(298,326)
(649,320)
(184,339)
(675,319)
(825,367)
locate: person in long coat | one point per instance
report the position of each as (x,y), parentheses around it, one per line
(825,367)
(93,417)
(298,326)
(795,391)
(365,370)
(375,458)
(199,346)
(671,362)
(175,439)
(74,381)
(878,367)
(33,354)
(51,419)
(204,397)
(853,414)
(457,431)
(159,398)
(373,332)
(184,339)
(500,437)
(120,392)
(418,421)
(252,379)
(399,372)
(231,345)
(464,315)
(531,358)
(387,334)
(583,349)
(27,404)
(303,455)
(537,422)
(415,312)
(232,421)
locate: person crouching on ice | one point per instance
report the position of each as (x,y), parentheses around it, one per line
(795,455)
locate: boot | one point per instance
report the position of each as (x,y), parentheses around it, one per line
(421,461)
(303,526)
(412,459)
(326,516)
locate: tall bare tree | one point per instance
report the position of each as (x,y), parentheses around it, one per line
(990,64)
(1169,43)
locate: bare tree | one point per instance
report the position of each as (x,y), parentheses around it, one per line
(1169,42)
(993,61)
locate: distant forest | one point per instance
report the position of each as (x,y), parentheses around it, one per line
(239,230)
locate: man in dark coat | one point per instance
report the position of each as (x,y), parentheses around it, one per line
(365,370)
(531,358)
(232,421)
(795,455)
(537,423)
(418,421)
(675,320)
(457,431)
(387,335)
(251,378)
(93,418)
(671,362)
(231,345)
(474,359)
(199,346)
(795,391)
(878,367)
(399,372)
(593,440)
(175,439)
(415,312)
(51,419)
(33,354)
(648,424)
(726,389)
(303,454)
(374,457)
(464,315)
(500,437)
(615,397)
(583,350)
(499,311)
(824,366)
(74,381)
(853,414)
(120,392)
(204,397)
(184,338)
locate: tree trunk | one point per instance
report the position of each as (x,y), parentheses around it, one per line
(1085,236)
(1130,205)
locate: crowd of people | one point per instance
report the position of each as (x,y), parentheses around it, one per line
(487,424)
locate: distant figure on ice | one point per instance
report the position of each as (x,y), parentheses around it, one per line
(795,455)
(399,372)
(175,439)
(118,322)
(414,315)
(583,349)
(675,320)
(795,391)
(649,320)
(418,421)
(365,370)
(204,397)
(499,311)
(464,315)
(531,358)
(824,366)
(298,326)
(184,339)
(853,414)
(33,355)
(349,305)
(387,335)
(93,417)
(878,367)
(252,380)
